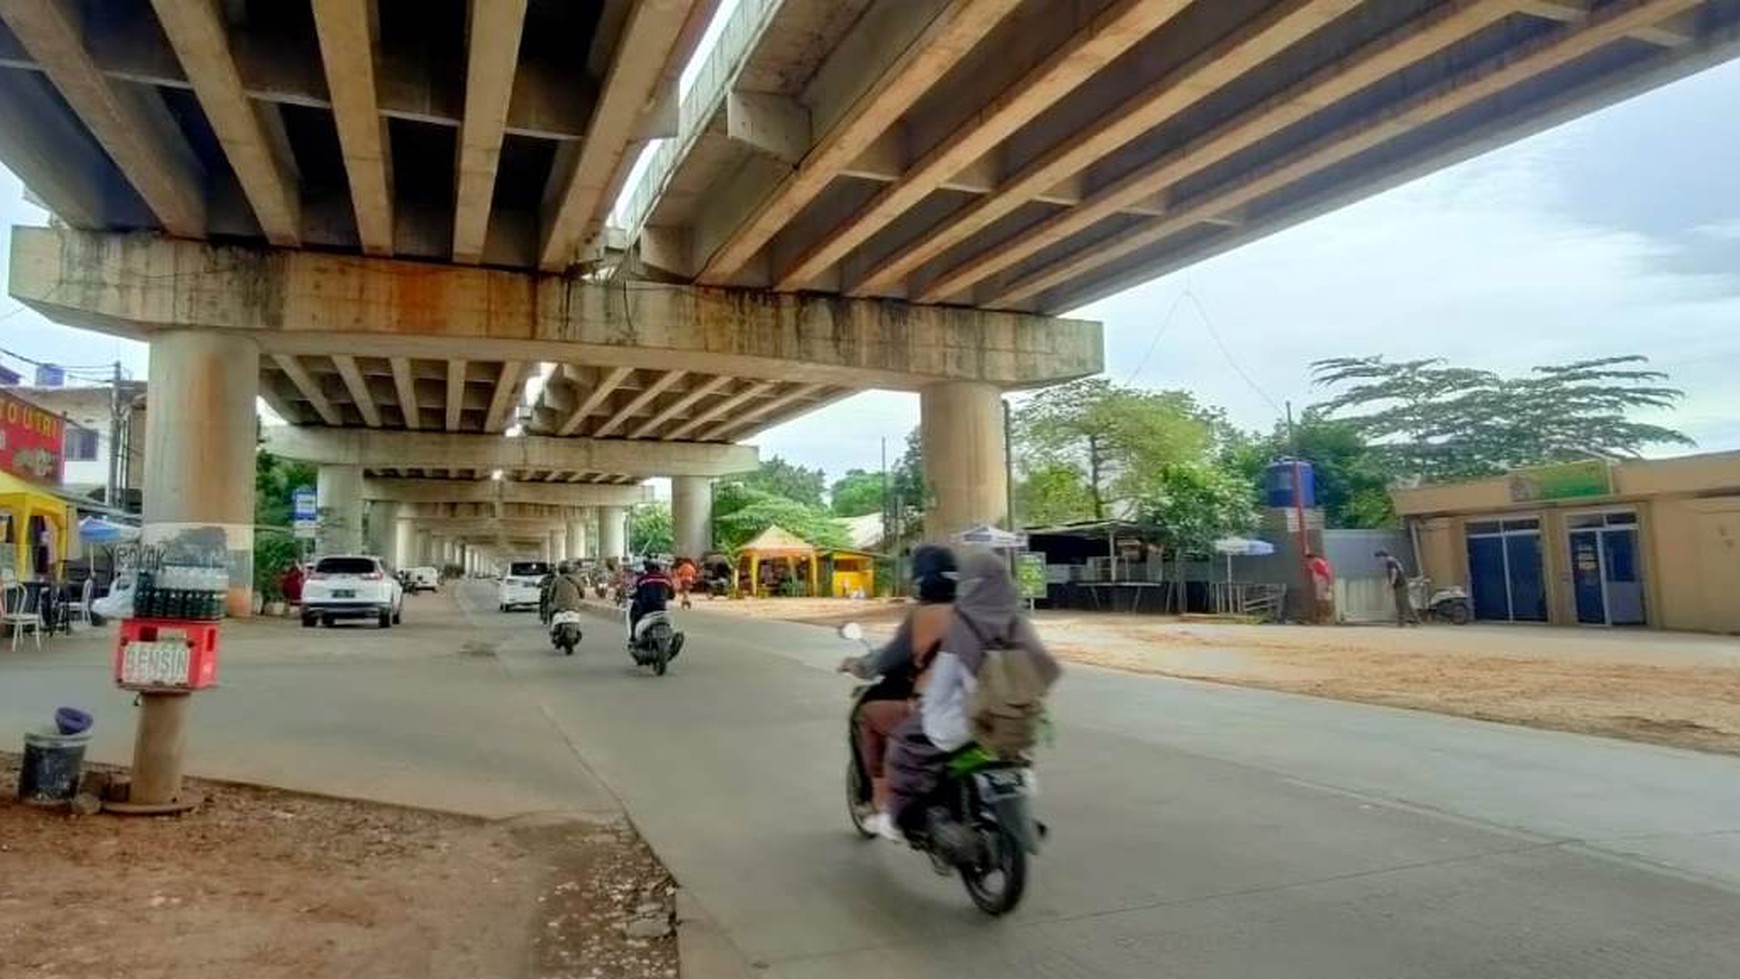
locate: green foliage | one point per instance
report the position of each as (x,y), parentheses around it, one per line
(793,482)
(1437,422)
(651,531)
(1197,502)
(274,480)
(856,493)
(741,511)
(274,552)
(1352,478)
(1052,493)
(1117,439)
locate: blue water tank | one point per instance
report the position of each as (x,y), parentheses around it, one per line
(1278,484)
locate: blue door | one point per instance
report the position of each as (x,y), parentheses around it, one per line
(1586,577)
(1624,585)
(1528,583)
(1486,578)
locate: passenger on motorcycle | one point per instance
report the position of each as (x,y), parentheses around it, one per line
(900,665)
(566,590)
(652,593)
(986,616)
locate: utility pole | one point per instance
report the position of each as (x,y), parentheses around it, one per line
(1305,584)
(1008,471)
(111,494)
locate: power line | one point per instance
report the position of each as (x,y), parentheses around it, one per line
(1227,354)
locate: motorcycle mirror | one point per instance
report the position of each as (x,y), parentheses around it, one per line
(851,631)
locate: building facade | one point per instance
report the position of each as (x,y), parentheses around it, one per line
(90,437)
(1645,543)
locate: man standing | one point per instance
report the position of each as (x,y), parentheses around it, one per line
(1398,580)
(1322,586)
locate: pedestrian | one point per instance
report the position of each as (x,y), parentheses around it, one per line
(1397,577)
(1322,586)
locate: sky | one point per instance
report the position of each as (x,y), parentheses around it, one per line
(1618,233)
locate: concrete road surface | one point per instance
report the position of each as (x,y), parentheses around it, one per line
(1198,830)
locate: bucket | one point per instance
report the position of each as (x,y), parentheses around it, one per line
(53,764)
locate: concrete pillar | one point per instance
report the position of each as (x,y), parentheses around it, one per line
(383,525)
(576,539)
(612,532)
(338,496)
(199,473)
(558,543)
(420,548)
(589,532)
(404,544)
(692,515)
(962,427)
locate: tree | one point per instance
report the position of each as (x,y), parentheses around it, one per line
(1116,438)
(1052,493)
(1437,421)
(793,482)
(275,479)
(1197,503)
(650,530)
(741,511)
(856,493)
(1352,477)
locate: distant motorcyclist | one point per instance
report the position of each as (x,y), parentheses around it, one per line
(545,584)
(653,592)
(567,592)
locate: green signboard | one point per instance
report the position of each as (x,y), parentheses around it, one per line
(1565,481)
(1030,572)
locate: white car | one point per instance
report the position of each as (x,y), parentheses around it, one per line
(422,579)
(351,586)
(519,585)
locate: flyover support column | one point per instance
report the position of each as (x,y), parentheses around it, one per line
(558,544)
(338,497)
(576,538)
(421,548)
(964,457)
(692,515)
(199,473)
(404,543)
(383,525)
(612,521)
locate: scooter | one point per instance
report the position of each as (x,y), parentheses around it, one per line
(565,631)
(1448,604)
(654,641)
(977,823)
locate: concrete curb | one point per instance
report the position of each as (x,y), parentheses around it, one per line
(703,950)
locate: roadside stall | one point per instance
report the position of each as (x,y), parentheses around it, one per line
(851,573)
(777,562)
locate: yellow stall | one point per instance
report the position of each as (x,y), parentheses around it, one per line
(775,562)
(36,524)
(853,573)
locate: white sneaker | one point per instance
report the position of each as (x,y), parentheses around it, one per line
(879,824)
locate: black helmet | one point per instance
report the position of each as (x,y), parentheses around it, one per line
(652,564)
(934,572)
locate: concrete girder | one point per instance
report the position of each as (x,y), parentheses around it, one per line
(303,302)
(346,30)
(492,54)
(506,491)
(379,448)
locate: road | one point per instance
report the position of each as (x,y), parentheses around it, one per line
(1199,830)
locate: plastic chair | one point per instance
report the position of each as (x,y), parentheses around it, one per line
(80,611)
(21,612)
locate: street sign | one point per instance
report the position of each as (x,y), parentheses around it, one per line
(304,514)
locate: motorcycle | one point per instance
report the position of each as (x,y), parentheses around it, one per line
(565,631)
(655,640)
(978,822)
(1448,604)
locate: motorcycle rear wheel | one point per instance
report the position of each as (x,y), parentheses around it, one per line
(858,806)
(997,883)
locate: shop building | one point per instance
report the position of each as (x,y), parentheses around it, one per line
(96,436)
(1645,543)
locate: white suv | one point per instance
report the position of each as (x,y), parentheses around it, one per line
(351,586)
(519,586)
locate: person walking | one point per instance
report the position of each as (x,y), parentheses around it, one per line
(1322,586)
(1397,576)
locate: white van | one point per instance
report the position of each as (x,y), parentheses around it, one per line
(422,579)
(519,585)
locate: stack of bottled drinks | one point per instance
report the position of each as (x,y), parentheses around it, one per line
(179,591)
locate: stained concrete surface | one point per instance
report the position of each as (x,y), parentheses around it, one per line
(1198,830)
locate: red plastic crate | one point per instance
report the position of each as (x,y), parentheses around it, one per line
(184,657)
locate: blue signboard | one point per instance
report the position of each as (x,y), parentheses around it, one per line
(304,513)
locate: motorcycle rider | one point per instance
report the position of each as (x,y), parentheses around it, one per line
(986,614)
(899,664)
(566,590)
(652,593)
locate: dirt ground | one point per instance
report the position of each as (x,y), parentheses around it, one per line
(1666,688)
(264,883)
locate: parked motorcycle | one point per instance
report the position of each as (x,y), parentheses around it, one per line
(1448,604)
(978,823)
(655,641)
(565,631)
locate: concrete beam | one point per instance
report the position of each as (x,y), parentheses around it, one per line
(505,491)
(346,29)
(638,402)
(380,448)
(577,200)
(676,408)
(359,389)
(878,72)
(326,304)
(492,29)
(1114,31)
(1216,66)
(1377,60)
(196,31)
(405,389)
(509,386)
(1459,92)
(309,388)
(132,124)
